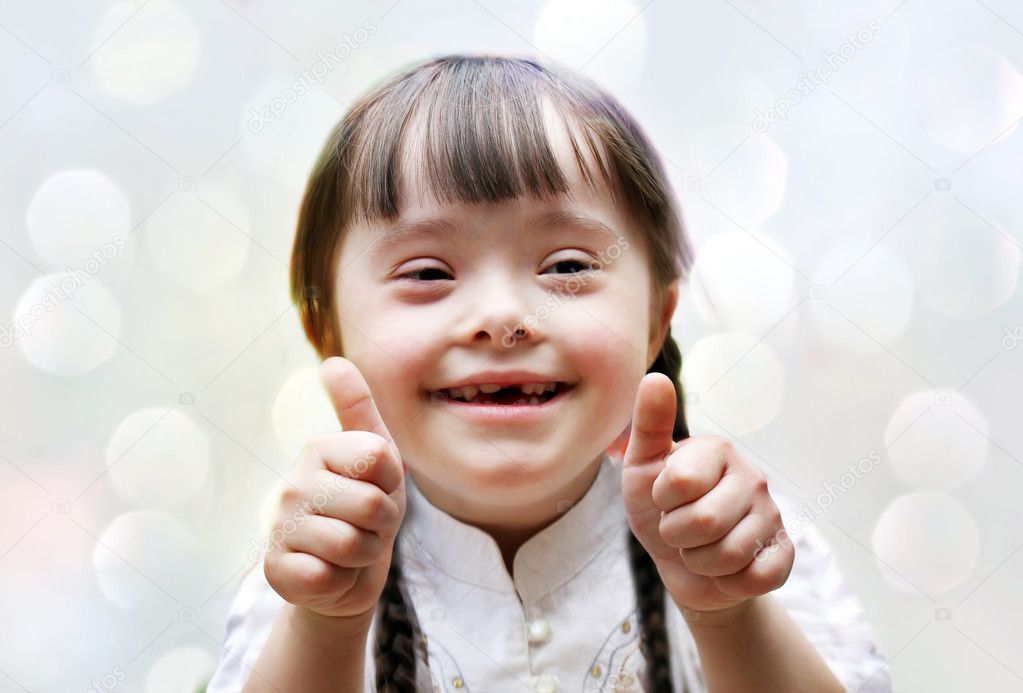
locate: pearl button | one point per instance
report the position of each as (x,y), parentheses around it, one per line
(546,683)
(539,630)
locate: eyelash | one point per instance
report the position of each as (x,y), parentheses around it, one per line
(587,267)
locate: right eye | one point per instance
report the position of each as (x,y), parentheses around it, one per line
(425,274)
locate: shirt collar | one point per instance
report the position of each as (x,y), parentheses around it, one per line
(432,539)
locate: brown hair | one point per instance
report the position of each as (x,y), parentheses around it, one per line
(478,123)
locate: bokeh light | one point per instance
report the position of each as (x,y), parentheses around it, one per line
(81,218)
(158,457)
(199,241)
(748,280)
(861,297)
(965,265)
(733,382)
(926,541)
(936,440)
(142,556)
(968,96)
(301,411)
(69,323)
(180,669)
(148,58)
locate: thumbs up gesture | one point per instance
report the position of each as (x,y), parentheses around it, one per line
(702,512)
(340,511)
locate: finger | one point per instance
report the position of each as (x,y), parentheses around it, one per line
(653,421)
(732,553)
(767,572)
(355,455)
(690,472)
(709,518)
(359,503)
(337,542)
(300,577)
(351,397)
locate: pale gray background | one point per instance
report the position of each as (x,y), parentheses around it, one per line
(863,253)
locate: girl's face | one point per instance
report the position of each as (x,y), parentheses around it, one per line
(425,306)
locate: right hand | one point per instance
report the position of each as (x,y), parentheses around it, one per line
(341,507)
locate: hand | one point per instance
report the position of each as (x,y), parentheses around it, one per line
(702,512)
(340,511)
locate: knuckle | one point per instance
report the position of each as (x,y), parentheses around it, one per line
(375,508)
(316,577)
(342,542)
(733,558)
(703,522)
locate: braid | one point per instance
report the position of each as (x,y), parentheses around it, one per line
(395,656)
(649,587)
(669,362)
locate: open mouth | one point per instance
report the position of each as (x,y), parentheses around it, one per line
(525,393)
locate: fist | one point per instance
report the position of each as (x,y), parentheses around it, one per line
(341,507)
(702,512)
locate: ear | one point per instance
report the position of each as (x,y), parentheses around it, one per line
(662,321)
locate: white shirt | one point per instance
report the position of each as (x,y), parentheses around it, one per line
(567,620)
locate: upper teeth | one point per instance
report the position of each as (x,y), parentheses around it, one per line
(470,391)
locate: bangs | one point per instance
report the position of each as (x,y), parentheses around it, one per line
(472,130)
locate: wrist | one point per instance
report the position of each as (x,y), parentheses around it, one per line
(312,624)
(721,618)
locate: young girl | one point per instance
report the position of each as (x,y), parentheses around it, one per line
(488,257)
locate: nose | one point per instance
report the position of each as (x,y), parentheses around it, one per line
(501,313)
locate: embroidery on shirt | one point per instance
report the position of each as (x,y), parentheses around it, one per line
(615,668)
(445,674)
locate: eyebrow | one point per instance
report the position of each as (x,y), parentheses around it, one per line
(439,226)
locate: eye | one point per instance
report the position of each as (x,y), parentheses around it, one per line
(425,274)
(579,265)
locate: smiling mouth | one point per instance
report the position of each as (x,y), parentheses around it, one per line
(527,393)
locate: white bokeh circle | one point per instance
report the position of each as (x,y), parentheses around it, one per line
(158,457)
(926,541)
(141,554)
(968,95)
(732,382)
(301,411)
(743,175)
(199,241)
(936,440)
(965,265)
(181,669)
(860,297)
(742,283)
(145,54)
(66,324)
(81,219)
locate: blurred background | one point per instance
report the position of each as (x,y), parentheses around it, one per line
(846,171)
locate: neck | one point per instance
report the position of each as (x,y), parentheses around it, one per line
(510,526)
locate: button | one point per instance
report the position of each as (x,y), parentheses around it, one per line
(539,630)
(546,683)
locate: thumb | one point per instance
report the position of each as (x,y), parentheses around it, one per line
(351,397)
(653,421)
(650,442)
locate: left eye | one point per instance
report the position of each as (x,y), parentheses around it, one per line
(580,265)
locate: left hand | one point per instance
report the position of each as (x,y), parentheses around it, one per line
(702,512)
